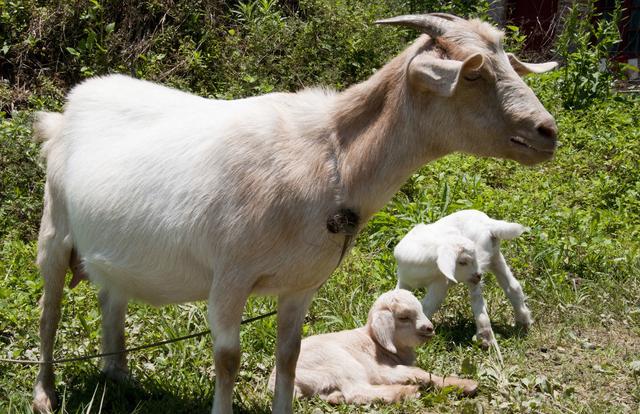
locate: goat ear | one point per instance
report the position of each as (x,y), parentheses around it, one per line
(383,328)
(441,76)
(446,262)
(523,68)
(505,230)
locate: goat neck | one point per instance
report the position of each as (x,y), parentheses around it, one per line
(378,126)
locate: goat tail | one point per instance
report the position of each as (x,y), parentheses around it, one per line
(47,126)
(505,230)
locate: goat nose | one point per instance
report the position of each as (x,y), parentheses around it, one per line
(427,328)
(548,129)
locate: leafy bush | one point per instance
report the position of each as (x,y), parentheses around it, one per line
(225,49)
(586,46)
(21,180)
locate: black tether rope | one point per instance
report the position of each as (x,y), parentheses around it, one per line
(137,348)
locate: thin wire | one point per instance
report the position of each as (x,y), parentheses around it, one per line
(137,348)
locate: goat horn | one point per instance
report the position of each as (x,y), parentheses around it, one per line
(434,26)
(447,16)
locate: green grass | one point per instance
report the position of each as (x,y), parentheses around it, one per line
(578,265)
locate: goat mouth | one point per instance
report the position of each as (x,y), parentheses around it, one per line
(525,143)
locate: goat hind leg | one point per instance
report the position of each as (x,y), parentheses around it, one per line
(44,399)
(114,309)
(54,250)
(512,289)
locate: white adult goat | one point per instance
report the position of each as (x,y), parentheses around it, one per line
(373,362)
(167,197)
(459,248)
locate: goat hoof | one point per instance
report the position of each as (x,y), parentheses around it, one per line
(117,374)
(524,324)
(335,398)
(44,400)
(486,339)
(469,387)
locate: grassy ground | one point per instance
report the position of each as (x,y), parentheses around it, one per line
(578,265)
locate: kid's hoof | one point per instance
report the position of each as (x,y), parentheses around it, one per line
(469,387)
(486,339)
(524,324)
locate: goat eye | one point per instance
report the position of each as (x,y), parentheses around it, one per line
(404,318)
(473,76)
(462,263)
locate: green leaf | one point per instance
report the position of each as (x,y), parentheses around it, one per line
(468,367)
(73,51)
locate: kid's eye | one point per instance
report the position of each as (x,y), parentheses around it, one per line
(462,263)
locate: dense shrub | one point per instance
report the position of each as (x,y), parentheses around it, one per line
(21,180)
(586,45)
(226,49)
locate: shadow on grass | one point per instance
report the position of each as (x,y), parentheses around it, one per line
(142,396)
(462,332)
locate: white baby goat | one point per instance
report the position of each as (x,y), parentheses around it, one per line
(459,248)
(373,362)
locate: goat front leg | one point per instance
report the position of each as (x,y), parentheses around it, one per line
(436,293)
(406,374)
(114,310)
(512,289)
(291,312)
(484,332)
(225,315)
(362,393)
(467,386)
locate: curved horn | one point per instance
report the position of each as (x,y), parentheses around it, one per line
(447,16)
(434,26)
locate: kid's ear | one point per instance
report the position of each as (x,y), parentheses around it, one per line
(383,328)
(446,262)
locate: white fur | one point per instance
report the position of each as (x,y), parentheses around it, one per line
(166,197)
(374,362)
(459,248)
